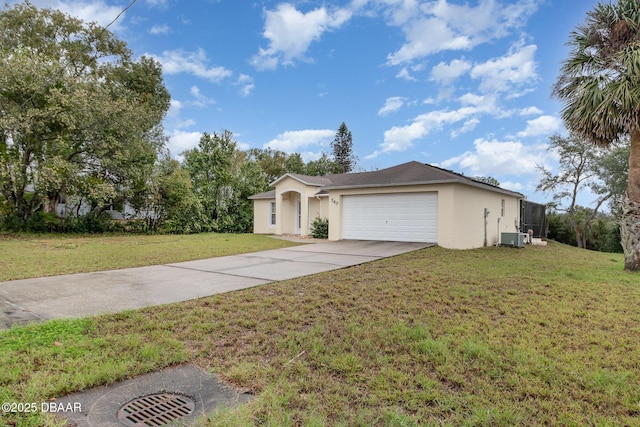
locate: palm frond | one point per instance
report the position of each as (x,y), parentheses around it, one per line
(599,82)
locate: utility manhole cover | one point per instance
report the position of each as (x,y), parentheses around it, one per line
(155,409)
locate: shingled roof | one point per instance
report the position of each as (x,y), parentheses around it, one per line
(410,173)
(318,181)
(271,194)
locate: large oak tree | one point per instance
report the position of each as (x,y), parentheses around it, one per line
(78,114)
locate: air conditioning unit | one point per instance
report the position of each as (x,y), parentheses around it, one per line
(515,240)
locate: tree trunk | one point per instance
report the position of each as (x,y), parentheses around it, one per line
(50,204)
(580,238)
(630,221)
(630,234)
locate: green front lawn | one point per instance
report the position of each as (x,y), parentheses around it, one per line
(24,256)
(496,336)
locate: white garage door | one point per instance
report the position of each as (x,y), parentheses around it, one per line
(405,217)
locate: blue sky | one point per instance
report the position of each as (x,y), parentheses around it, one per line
(464,85)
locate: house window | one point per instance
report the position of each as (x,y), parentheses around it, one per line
(272,213)
(502,208)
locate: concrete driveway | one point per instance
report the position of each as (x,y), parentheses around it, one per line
(84,294)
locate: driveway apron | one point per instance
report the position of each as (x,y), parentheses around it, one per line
(85,294)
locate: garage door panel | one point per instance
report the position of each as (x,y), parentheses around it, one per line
(410,217)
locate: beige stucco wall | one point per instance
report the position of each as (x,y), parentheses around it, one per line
(288,192)
(261,217)
(460,212)
(318,208)
(467,226)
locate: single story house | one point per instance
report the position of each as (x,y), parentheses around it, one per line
(411,202)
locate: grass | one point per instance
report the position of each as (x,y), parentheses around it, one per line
(36,255)
(487,337)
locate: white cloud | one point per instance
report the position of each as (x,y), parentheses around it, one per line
(246,84)
(400,12)
(157,3)
(174,119)
(541,126)
(291,32)
(160,29)
(425,37)
(446,73)
(293,141)
(391,105)
(468,126)
(530,111)
(401,138)
(507,72)
(180,141)
(195,91)
(485,104)
(201,100)
(509,75)
(196,63)
(89,11)
(438,25)
(308,156)
(174,103)
(404,74)
(476,100)
(513,186)
(495,158)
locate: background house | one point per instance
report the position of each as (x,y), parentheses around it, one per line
(411,202)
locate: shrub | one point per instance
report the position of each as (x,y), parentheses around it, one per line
(320,228)
(88,223)
(42,222)
(9,221)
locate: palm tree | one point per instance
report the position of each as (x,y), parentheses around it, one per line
(599,84)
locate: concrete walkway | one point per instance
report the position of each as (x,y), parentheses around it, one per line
(85,294)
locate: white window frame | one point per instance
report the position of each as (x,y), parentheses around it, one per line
(272,214)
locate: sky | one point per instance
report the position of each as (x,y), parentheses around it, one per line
(460,84)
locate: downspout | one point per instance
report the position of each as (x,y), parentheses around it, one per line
(486,214)
(498,235)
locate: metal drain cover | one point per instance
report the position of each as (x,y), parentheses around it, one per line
(155,409)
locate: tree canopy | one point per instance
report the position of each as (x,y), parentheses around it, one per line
(584,167)
(342,146)
(80,118)
(78,115)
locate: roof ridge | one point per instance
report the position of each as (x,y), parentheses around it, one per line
(461,175)
(411,172)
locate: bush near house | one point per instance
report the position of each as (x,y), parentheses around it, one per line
(320,228)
